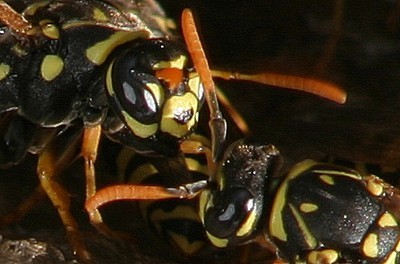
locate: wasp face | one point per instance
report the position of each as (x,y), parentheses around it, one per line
(153,90)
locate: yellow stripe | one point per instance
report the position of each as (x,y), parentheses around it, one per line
(276,227)
(309,238)
(99,52)
(139,129)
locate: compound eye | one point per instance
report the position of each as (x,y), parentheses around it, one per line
(229,212)
(138,92)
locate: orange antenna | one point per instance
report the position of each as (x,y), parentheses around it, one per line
(141,192)
(324,89)
(217,123)
(13,19)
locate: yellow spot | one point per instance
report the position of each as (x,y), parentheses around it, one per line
(157,92)
(391,259)
(370,246)
(18,50)
(194,165)
(276,227)
(51,31)
(387,220)
(326,256)
(99,15)
(99,52)
(178,63)
(248,225)
(4,70)
(139,129)
(327,179)
(172,107)
(308,207)
(374,187)
(52,66)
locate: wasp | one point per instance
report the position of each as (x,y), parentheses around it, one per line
(71,71)
(317,213)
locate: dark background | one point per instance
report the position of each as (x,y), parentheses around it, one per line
(352,43)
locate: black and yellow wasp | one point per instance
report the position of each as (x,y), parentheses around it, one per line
(71,71)
(317,213)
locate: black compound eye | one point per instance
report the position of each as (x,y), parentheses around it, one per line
(229,211)
(138,92)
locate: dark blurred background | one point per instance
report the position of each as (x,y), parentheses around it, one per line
(354,44)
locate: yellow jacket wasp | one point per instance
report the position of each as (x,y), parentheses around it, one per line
(88,67)
(317,213)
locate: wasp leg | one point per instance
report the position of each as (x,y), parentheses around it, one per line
(197,144)
(13,19)
(48,167)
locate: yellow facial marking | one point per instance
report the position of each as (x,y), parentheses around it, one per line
(327,256)
(51,31)
(99,52)
(248,225)
(370,245)
(195,86)
(218,242)
(308,207)
(374,187)
(387,220)
(178,63)
(172,107)
(276,227)
(4,70)
(139,129)
(327,179)
(99,15)
(52,66)
(157,92)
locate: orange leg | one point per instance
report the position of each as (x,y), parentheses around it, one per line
(47,170)
(13,20)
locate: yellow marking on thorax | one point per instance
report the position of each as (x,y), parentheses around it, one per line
(308,237)
(327,179)
(52,66)
(374,186)
(51,31)
(99,15)
(276,227)
(391,259)
(31,9)
(139,129)
(99,52)
(387,220)
(4,70)
(370,245)
(308,207)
